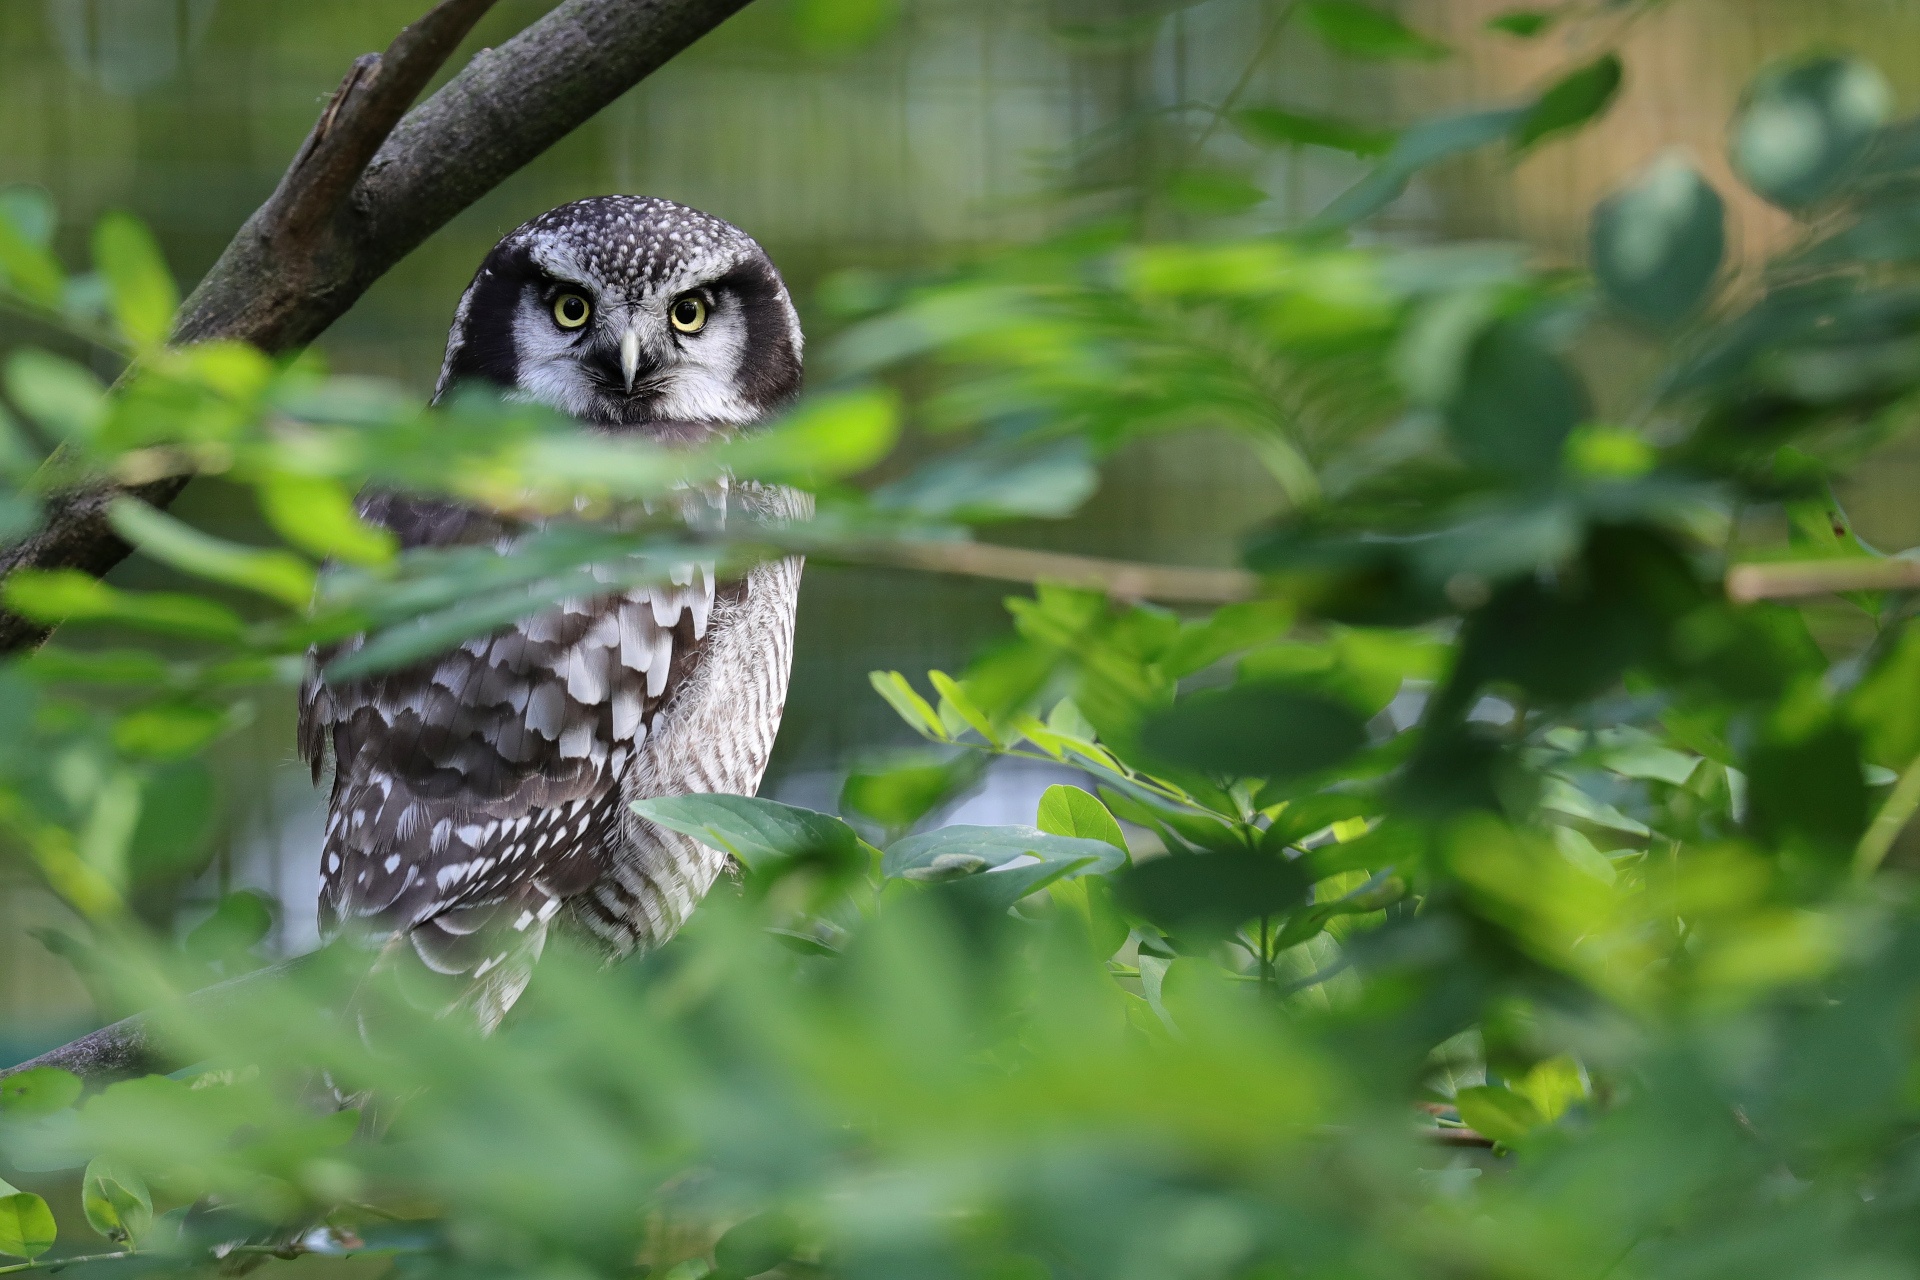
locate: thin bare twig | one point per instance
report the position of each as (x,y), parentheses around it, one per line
(1121,579)
(1801,579)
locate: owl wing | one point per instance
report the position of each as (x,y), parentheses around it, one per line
(477,790)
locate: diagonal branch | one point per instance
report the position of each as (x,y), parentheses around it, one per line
(370,184)
(362,113)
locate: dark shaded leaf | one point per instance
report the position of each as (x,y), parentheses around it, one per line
(1256,730)
(1576,98)
(1517,404)
(1361,31)
(1208,895)
(1276,126)
(759,833)
(1657,245)
(1805,126)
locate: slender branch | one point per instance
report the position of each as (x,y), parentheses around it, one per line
(1888,823)
(370,184)
(55,1264)
(133,1046)
(1800,579)
(1121,579)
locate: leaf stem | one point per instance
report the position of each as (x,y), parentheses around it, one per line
(54,1264)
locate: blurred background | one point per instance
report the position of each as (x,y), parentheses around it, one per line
(859,142)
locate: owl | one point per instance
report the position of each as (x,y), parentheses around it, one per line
(482,796)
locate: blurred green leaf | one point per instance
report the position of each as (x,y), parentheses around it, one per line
(1361,31)
(144,295)
(38,1092)
(995,481)
(1658,243)
(168,729)
(68,595)
(1205,896)
(316,514)
(1498,1113)
(835,26)
(903,790)
(31,212)
(910,706)
(758,1244)
(1255,730)
(759,833)
(279,575)
(26,1224)
(1276,126)
(58,394)
(1576,98)
(239,923)
(1524,23)
(826,437)
(1419,146)
(1516,405)
(29,269)
(1804,126)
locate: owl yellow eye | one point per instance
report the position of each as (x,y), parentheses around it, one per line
(689,314)
(570,311)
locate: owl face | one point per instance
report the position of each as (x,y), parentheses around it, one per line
(623,311)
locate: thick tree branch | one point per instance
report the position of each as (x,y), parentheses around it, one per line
(370,184)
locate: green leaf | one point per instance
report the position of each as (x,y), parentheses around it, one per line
(31,211)
(1525,23)
(315,513)
(1424,144)
(1498,1113)
(39,1092)
(759,833)
(1276,126)
(1804,126)
(1361,31)
(116,1201)
(957,710)
(1205,896)
(170,729)
(26,1224)
(1579,96)
(758,1244)
(996,482)
(29,269)
(839,26)
(1255,730)
(902,791)
(58,394)
(1657,244)
(239,923)
(1069,811)
(279,575)
(831,436)
(910,706)
(932,854)
(1516,405)
(143,292)
(68,595)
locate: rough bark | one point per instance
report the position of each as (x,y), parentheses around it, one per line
(371,183)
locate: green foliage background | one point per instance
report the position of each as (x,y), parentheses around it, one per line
(1489,894)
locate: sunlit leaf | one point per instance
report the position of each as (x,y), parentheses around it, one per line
(1070,811)
(316,514)
(38,1092)
(58,394)
(144,295)
(26,1224)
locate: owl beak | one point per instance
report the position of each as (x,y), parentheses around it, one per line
(630,357)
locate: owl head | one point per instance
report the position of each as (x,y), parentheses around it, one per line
(623,311)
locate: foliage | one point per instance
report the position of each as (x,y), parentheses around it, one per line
(1490,894)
